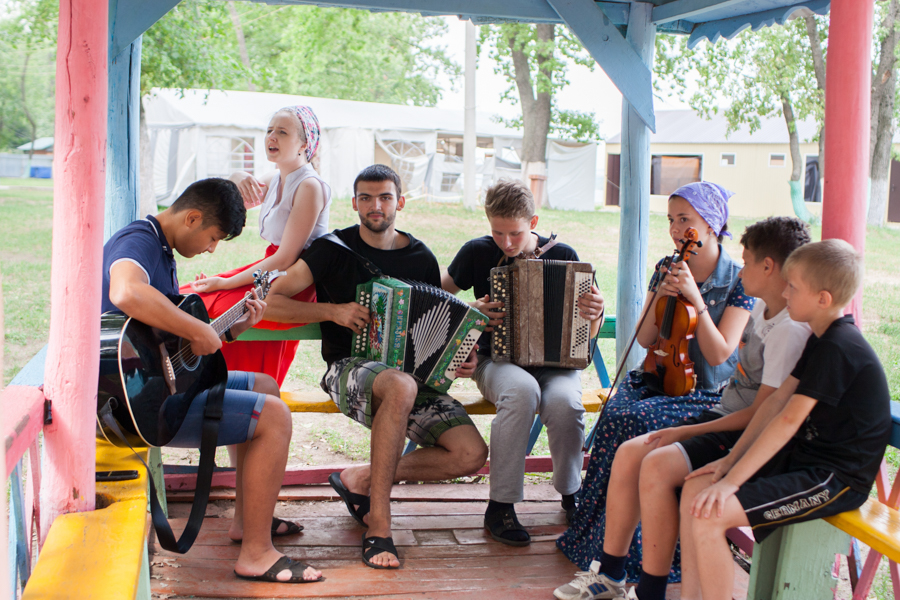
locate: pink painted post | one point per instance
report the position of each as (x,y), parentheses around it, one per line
(847,115)
(70,376)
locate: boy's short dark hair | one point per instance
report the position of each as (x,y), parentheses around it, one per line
(831,265)
(378,173)
(509,199)
(775,238)
(220,203)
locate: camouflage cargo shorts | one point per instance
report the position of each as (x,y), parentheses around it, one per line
(349,383)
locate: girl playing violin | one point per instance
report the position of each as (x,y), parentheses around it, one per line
(710,282)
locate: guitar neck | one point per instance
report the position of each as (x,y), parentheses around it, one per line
(224,322)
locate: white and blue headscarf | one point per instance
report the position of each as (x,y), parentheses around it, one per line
(710,200)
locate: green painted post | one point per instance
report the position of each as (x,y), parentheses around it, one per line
(154,459)
(795,562)
(143,589)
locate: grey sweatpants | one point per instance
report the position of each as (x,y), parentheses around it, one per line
(519,392)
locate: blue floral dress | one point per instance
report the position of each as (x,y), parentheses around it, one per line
(634,411)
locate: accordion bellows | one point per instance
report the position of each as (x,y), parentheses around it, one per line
(542,326)
(417,328)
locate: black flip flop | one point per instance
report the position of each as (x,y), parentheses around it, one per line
(294,566)
(350,498)
(373,546)
(293,529)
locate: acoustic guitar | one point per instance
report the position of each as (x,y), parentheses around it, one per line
(148,377)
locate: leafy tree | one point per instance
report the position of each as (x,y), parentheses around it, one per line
(758,74)
(28,42)
(534,60)
(757,69)
(347,54)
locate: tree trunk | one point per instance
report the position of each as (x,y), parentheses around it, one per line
(796,159)
(818,54)
(882,132)
(242,44)
(28,114)
(535,97)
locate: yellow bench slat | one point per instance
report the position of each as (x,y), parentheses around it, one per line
(875,525)
(319,402)
(95,554)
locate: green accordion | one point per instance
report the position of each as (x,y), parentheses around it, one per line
(418,329)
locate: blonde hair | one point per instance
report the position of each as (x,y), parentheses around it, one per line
(831,265)
(509,199)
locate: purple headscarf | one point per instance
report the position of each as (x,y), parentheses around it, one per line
(310,127)
(710,200)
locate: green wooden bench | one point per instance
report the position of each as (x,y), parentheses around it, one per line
(320,402)
(797,562)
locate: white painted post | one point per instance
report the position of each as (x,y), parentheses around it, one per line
(634,198)
(70,376)
(123,181)
(469,135)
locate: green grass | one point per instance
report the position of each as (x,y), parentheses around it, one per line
(26,182)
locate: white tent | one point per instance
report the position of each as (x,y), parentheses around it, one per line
(201,134)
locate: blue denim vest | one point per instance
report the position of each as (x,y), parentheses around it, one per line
(715,291)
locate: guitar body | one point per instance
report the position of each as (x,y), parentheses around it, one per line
(145,374)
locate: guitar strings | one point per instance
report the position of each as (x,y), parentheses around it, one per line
(235,313)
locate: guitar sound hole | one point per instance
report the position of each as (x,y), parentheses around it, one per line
(188,359)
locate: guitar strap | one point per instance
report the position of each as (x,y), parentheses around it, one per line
(212,416)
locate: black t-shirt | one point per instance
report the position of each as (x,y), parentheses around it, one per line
(337,274)
(849,427)
(471,268)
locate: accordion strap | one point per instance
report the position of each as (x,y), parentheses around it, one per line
(370,267)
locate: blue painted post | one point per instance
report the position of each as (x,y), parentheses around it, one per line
(634,197)
(123,139)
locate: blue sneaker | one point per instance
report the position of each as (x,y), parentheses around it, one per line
(591,585)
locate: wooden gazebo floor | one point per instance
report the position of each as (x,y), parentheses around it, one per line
(444,551)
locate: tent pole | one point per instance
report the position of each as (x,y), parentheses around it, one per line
(634,198)
(469,139)
(847,121)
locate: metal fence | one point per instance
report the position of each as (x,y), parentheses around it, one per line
(18,165)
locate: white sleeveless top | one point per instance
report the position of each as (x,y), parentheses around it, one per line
(273,214)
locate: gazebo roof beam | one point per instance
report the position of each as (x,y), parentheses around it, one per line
(688,9)
(129,19)
(483,12)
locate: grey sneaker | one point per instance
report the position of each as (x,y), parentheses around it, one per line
(591,585)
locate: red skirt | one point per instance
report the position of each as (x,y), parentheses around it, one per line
(273,358)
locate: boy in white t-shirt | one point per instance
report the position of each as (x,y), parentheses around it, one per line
(648,470)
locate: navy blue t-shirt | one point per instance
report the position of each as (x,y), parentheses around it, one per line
(141,242)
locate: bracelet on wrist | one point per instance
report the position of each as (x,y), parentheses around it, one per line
(702,310)
(228,337)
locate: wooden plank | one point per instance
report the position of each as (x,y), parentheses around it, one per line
(875,525)
(729,27)
(176,482)
(33,372)
(129,19)
(77,557)
(481,536)
(320,402)
(626,67)
(692,10)
(426,492)
(123,141)
(634,201)
(23,419)
(317,510)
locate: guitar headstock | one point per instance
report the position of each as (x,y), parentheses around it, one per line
(262,281)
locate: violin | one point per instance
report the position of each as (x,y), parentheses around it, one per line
(667,367)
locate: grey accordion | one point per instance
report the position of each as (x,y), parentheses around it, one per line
(542,326)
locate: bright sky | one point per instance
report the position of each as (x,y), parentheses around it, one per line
(588,91)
